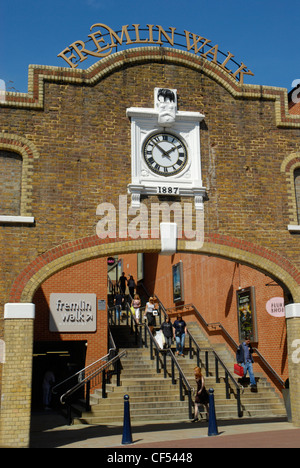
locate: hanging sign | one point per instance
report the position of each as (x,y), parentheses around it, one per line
(275,307)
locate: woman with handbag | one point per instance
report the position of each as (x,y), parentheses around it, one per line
(150,313)
(202,397)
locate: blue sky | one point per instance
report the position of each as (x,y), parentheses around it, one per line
(261,33)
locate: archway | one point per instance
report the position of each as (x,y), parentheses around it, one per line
(75,252)
(260,258)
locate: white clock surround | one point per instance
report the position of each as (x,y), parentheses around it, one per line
(185,126)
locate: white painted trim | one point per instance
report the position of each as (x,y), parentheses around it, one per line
(168,234)
(293,227)
(19,310)
(17,219)
(292,311)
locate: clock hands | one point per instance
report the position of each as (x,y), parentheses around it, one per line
(165,153)
(161,146)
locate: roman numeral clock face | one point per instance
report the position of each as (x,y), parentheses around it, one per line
(165,154)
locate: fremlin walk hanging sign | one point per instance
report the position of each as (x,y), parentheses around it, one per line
(103,41)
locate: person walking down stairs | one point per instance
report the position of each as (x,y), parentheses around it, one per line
(167,329)
(150,314)
(245,359)
(202,397)
(179,334)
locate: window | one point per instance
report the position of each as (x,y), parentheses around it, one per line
(10,183)
(297,191)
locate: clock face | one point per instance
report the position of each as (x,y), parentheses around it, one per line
(165,154)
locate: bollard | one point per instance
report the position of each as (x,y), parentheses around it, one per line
(127,437)
(212,425)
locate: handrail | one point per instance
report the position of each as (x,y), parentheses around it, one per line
(79,373)
(84,371)
(218,361)
(218,324)
(269,367)
(182,378)
(91,376)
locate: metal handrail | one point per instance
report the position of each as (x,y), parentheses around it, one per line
(161,352)
(94,374)
(79,373)
(218,361)
(234,343)
(84,371)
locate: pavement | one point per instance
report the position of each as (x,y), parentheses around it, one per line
(49,430)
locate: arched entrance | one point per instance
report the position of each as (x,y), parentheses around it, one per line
(244,226)
(74,253)
(59,258)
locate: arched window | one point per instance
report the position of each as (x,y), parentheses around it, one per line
(297,191)
(10,183)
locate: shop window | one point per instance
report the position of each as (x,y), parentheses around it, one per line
(10,183)
(297,191)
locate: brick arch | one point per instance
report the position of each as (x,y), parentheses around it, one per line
(71,253)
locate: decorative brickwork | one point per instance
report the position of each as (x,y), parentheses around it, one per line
(74,137)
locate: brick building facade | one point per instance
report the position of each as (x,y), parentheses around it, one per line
(73,138)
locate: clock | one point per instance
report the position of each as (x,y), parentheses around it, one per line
(165,154)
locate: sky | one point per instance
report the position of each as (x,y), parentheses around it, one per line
(263,34)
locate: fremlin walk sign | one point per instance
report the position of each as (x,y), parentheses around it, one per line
(106,40)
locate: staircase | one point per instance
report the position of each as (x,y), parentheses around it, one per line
(154,398)
(263,403)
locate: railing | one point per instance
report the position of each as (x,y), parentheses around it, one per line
(90,377)
(144,337)
(161,360)
(130,320)
(215,325)
(91,381)
(218,362)
(161,357)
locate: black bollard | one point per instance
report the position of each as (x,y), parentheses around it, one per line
(127,437)
(212,425)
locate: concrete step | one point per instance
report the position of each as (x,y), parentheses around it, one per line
(154,398)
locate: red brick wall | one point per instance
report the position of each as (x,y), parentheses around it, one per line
(87,277)
(210,284)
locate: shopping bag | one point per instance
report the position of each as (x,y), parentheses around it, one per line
(132,310)
(238,370)
(159,337)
